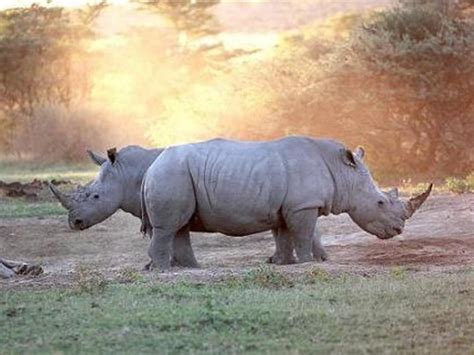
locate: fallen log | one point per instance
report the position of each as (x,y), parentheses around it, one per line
(10,268)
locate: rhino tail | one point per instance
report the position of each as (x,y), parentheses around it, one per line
(145,228)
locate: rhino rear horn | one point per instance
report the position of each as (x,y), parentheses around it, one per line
(63,198)
(415,202)
(96,158)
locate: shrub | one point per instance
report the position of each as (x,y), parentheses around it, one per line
(460,186)
(86,280)
(128,274)
(316,275)
(265,276)
(57,132)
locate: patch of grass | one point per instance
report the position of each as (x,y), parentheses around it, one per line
(460,185)
(398,272)
(88,280)
(128,274)
(14,208)
(316,275)
(382,314)
(27,171)
(410,188)
(265,276)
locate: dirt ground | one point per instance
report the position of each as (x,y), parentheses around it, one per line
(439,237)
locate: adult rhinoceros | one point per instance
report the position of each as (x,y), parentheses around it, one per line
(241,188)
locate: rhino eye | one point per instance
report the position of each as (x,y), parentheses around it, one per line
(96,196)
(380,203)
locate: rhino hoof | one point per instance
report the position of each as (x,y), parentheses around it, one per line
(147,266)
(279,260)
(320,256)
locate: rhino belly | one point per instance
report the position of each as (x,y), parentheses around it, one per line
(237,225)
(238,217)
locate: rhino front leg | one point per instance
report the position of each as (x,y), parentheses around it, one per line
(319,254)
(284,248)
(160,249)
(183,254)
(301,225)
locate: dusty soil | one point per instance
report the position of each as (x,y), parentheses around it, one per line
(439,237)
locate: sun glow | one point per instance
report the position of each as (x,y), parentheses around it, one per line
(138,83)
(7,4)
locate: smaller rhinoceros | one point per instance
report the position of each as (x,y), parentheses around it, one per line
(241,188)
(117,186)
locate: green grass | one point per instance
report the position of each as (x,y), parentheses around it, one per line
(27,171)
(350,314)
(14,208)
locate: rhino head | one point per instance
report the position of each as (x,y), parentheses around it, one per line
(377,212)
(99,199)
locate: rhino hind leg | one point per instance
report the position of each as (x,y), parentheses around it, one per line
(319,254)
(160,249)
(183,254)
(284,248)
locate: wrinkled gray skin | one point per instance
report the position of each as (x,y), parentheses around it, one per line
(241,188)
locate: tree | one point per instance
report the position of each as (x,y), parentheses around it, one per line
(405,85)
(419,60)
(192,21)
(42,60)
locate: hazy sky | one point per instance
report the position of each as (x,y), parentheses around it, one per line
(5,4)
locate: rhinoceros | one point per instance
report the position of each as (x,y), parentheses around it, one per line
(10,268)
(117,186)
(241,188)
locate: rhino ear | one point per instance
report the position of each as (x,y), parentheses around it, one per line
(348,157)
(96,158)
(393,193)
(359,153)
(112,154)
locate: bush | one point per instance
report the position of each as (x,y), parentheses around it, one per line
(87,280)
(57,132)
(401,86)
(460,186)
(264,276)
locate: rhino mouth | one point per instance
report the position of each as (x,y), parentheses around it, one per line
(389,233)
(78,225)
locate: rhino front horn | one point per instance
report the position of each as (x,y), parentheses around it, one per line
(415,202)
(62,197)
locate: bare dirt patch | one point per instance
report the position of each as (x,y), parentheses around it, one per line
(439,237)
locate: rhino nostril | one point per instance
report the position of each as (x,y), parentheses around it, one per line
(77,221)
(397,230)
